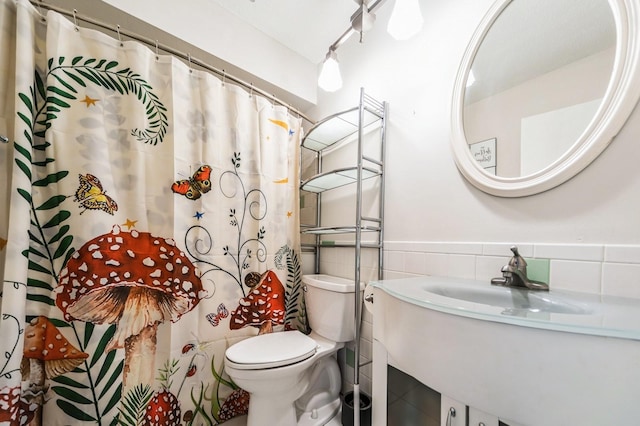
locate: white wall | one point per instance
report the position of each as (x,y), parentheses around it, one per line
(211,34)
(437,223)
(427,198)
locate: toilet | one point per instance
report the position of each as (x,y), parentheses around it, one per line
(294,378)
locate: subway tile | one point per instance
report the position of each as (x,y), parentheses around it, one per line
(366,349)
(434,247)
(394,260)
(401,245)
(365,370)
(415,263)
(393,245)
(369,257)
(436,264)
(504,249)
(575,267)
(329,268)
(621,279)
(346,270)
(452,247)
(622,253)
(308,262)
(395,275)
(461,266)
(588,252)
(584,277)
(329,254)
(346,255)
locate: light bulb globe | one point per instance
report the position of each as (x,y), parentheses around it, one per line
(406,19)
(330,79)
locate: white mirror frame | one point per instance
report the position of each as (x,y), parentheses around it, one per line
(619,101)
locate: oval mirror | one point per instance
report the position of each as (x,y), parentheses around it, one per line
(543,88)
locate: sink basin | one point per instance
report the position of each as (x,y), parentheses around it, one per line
(527,357)
(514,300)
(559,310)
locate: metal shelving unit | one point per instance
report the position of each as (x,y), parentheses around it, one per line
(349,126)
(362,124)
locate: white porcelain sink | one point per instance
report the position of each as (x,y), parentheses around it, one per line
(514,301)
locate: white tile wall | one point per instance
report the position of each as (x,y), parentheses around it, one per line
(573,275)
(591,268)
(621,279)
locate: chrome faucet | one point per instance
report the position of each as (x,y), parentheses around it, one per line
(514,274)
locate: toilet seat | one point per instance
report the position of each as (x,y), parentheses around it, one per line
(271,350)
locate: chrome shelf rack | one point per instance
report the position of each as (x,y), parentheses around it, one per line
(363,124)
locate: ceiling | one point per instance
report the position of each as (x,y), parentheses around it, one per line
(308,27)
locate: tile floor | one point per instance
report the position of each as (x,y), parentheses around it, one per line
(410,403)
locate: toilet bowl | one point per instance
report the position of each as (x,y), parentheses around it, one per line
(288,364)
(293,378)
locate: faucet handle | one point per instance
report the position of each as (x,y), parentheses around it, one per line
(517,262)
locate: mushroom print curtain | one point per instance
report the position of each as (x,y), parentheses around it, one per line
(148,220)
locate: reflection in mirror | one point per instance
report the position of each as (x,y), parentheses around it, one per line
(537,81)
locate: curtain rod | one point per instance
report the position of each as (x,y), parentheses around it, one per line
(187,57)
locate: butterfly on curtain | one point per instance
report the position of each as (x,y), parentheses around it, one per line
(195,186)
(214,319)
(92,196)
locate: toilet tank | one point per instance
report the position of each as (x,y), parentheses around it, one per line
(330,303)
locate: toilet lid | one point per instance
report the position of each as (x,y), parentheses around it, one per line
(271,350)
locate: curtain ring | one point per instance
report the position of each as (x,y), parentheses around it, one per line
(251,91)
(119,35)
(224,75)
(189,59)
(157,54)
(4,139)
(75,20)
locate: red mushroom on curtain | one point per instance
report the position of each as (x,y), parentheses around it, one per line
(14,408)
(135,280)
(236,404)
(263,307)
(162,410)
(46,354)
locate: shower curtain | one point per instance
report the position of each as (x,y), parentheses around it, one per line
(148,221)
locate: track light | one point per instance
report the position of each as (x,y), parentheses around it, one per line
(406,19)
(362,20)
(330,79)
